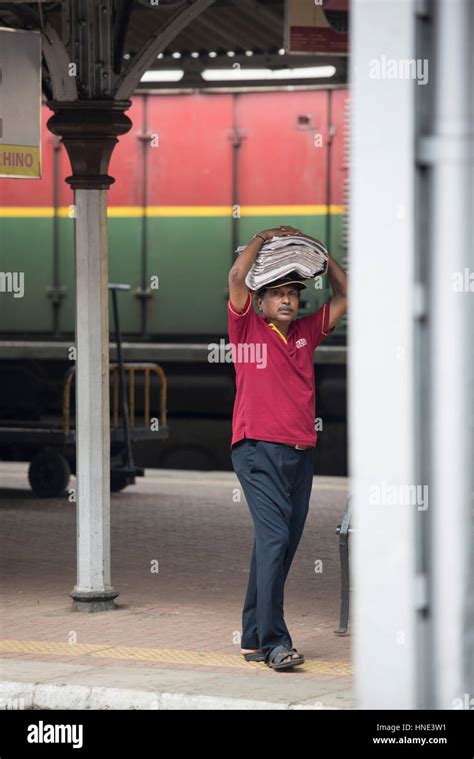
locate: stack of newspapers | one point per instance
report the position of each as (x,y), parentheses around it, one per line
(284,255)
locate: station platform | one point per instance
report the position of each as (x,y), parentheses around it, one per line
(173,641)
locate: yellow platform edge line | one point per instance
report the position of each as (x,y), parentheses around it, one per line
(163,656)
(174,211)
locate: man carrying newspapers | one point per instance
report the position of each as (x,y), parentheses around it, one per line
(273,423)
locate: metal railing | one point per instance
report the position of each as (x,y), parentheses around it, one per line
(344,530)
(130,371)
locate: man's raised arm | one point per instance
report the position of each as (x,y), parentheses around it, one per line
(238,290)
(338,303)
(338,281)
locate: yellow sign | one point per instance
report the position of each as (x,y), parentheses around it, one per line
(19,161)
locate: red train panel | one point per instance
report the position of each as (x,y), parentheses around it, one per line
(193,163)
(282,133)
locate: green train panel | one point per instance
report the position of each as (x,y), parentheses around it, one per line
(196,176)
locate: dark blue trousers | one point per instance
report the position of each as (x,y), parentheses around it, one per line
(276,480)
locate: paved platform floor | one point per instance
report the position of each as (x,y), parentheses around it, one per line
(173,641)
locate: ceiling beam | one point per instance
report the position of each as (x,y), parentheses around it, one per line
(57,59)
(262,14)
(130,79)
(226,39)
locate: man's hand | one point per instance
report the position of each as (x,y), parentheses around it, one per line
(238,291)
(283,231)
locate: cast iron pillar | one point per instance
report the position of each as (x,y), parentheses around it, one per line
(89,130)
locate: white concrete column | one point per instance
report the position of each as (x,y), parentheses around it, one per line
(93,590)
(381,355)
(450,150)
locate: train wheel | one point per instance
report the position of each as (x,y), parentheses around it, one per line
(49,474)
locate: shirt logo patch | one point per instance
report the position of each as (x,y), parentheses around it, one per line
(301,342)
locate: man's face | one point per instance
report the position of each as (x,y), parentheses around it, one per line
(280,303)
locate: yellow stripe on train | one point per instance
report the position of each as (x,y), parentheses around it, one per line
(177,211)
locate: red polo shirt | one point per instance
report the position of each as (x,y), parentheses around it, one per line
(275,392)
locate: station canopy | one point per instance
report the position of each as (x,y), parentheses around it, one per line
(222,44)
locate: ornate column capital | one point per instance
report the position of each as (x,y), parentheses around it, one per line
(89,131)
